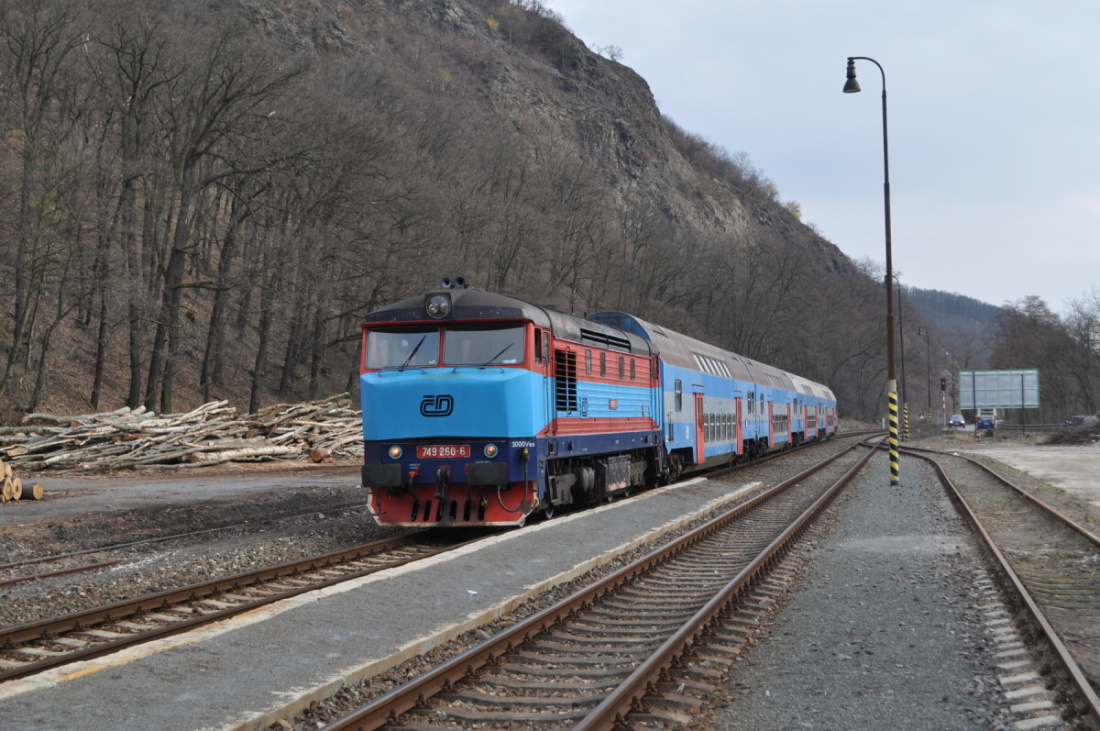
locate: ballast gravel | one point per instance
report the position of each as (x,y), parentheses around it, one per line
(214,539)
(885,631)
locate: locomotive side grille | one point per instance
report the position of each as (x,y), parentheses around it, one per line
(565,380)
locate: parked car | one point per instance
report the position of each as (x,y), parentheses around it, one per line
(956,420)
(1079,419)
(985,422)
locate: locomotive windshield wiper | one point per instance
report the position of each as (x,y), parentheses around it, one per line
(413,353)
(502,352)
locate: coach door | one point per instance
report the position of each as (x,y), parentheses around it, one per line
(544,366)
(740,435)
(700,430)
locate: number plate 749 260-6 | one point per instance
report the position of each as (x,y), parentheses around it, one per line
(443,451)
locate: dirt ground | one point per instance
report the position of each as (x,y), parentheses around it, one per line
(68,496)
(1068,476)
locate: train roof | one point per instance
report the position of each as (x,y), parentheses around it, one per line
(477,304)
(687,352)
(466,304)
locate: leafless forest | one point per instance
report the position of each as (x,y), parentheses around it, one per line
(200,199)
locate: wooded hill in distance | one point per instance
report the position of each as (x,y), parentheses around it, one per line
(200,200)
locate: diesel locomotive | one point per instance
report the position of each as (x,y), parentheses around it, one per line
(480,409)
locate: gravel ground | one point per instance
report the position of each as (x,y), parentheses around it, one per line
(886,625)
(232,536)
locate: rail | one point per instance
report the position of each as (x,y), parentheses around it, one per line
(30,648)
(628,692)
(1086,700)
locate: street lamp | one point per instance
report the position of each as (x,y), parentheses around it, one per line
(851,86)
(928,365)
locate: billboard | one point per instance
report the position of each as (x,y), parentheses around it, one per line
(999,389)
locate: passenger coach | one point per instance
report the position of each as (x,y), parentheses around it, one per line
(720,407)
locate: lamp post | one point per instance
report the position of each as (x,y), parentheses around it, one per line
(851,86)
(928,366)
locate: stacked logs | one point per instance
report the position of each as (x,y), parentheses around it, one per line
(212,434)
(13,488)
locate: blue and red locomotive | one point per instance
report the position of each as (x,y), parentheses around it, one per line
(480,409)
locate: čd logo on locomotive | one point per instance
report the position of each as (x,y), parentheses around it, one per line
(437,405)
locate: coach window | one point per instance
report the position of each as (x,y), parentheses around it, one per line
(538,345)
(588,362)
(679,395)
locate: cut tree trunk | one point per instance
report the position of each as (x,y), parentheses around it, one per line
(33,492)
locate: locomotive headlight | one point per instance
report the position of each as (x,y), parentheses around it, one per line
(491,450)
(395,452)
(438,305)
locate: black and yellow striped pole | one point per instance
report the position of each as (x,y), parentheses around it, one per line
(894,469)
(851,86)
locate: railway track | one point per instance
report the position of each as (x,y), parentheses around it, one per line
(118,546)
(30,648)
(1046,560)
(635,647)
(37,646)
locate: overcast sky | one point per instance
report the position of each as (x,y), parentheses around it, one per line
(993,123)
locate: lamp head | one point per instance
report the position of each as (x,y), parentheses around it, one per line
(851,86)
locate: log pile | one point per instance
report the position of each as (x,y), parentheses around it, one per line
(12,488)
(212,434)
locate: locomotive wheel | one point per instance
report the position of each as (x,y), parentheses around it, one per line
(548,511)
(675,467)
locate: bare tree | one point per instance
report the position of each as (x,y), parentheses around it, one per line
(37,39)
(210,112)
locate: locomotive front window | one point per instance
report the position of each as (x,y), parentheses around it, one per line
(497,345)
(407,347)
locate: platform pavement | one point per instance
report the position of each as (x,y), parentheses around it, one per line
(248,672)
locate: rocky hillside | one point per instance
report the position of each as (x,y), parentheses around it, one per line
(242,180)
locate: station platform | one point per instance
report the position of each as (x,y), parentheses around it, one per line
(250,671)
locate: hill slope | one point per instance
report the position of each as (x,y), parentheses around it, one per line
(242,180)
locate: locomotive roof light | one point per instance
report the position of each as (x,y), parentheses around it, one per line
(438,306)
(456,283)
